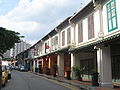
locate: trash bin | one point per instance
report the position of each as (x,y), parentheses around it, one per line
(68,75)
(95,79)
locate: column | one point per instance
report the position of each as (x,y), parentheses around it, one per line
(60,62)
(44,64)
(51,64)
(72,64)
(33,65)
(30,65)
(104,66)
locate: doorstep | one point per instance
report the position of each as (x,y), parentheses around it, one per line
(79,84)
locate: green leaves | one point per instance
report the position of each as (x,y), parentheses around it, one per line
(7,39)
(78,70)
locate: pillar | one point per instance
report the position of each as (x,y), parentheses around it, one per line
(33,65)
(60,64)
(72,64)
(44,65)
(104,66)
(50,64)
(30,65)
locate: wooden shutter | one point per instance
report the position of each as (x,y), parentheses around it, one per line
(68,35)
(63,38)
(91,26)
(80,32)
(56,40)
(45,47)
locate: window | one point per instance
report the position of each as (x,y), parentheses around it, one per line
(80,32)
(46,46)
(52,42)
(56,40)
(91,26)
(111,16)
(63,38)
(68,35)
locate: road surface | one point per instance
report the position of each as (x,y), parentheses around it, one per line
(29,81)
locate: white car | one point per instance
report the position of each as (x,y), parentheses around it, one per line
(22,68)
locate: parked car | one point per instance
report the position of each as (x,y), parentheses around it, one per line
(22,68)
(4,75)
(9,71)
(16,68)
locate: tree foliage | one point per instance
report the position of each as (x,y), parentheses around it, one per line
(7,39)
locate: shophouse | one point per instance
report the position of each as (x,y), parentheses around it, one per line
(89,38)
(97,34)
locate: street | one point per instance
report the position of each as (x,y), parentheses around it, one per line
(29,81)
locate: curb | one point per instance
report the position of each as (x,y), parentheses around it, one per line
(81,87)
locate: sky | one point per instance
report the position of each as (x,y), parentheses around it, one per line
(36,18)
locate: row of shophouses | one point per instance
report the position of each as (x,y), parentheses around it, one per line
(88,38)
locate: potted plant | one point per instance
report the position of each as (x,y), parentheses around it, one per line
(94,74)
(40,68)
(54,69)
(78,71)
(47,71)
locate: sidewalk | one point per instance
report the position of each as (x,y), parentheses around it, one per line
(80,85)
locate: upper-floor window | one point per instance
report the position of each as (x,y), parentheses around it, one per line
(91,26)
(36,50)
(52,42)
(111,15)
(63,38)
(47,46)
(80,32)
(56,40)
(68,35)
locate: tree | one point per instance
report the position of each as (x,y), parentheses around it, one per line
(7,39)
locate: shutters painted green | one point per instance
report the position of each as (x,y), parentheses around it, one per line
(111,15)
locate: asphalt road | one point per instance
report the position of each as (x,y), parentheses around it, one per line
(29,81)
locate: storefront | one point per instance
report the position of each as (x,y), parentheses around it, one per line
(115,61)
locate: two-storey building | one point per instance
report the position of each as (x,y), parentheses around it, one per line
(89,38)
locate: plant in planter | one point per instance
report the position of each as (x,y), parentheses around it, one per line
(94,74)
(78,71)
(54,69)
(47,71)
(40,68)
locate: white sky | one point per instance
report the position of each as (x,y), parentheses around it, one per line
(35,18)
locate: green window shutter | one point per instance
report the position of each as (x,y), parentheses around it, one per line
(111,15)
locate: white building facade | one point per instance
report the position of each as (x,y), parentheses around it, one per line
(90,38)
